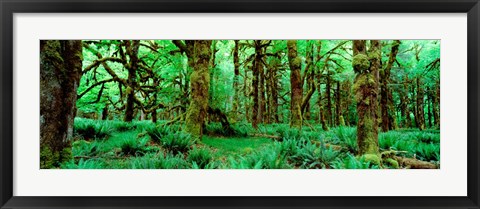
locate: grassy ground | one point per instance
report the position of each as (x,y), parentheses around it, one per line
(144,145)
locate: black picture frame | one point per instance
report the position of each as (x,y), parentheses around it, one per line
(9,7)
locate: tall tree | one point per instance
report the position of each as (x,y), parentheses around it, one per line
(366,68)
(132,67)
(236,78)
(199,85)
(386,102)
(60,72)
(420,105)
(296,84)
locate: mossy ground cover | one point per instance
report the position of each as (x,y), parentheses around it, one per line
(145,145)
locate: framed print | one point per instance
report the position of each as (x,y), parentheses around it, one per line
(266,104)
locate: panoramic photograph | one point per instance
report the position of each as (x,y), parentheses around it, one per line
(239,104)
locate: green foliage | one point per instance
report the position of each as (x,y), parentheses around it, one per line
(346,136)
(351,162)
(85,164)
(92,129)
(309,155)
(200,157)
(172,141)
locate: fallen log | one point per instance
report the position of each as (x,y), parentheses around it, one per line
(414,163)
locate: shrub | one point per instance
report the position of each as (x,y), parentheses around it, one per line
(157,133)
(351,162)
(174,142)
(267,158)
(311,156)
(131,145)
(428,152)
(91,129)
(200,157)
(84,164)
(346,136)
(387,140)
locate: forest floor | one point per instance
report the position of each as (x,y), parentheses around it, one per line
(145,145)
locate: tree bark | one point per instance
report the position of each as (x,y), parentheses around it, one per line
(132,51)
(60,72)
(199,87)
(436,105)
(296,85)
(366,69)
(339,121)
(236,78)
(328,96)
(420,111)
(257,65)
(386,94)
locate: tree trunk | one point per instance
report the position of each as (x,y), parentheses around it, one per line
(296,85)
(420,111)
(199,85)
(105,112)
(309,76)
(60,72)
(405,103)
(321,112)
(236,77)
(365,87)
(154,116)
(386,94)
(430,107)
(338,110)
(329,99)
(436,106)
(261,94)
(132,51)
(257,65)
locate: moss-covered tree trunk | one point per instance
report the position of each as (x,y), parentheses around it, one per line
(339,121)
(296,85)
(430,107)
(404,104)
(321,112)
(257,65)
(132,51)
(236,78)
(261,93)
(328,96)
(199,87)
(365,87)
(436,105)
(386,102)
(420,105)
(274,84)
(60,72)
(309,77)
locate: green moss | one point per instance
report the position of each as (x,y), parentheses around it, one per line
(374,159)
(341,120)
(297,61)
(49,159)
(392,163)
(374,55)
(360,63)
(51,51)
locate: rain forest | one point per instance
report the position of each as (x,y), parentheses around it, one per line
(239,104)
